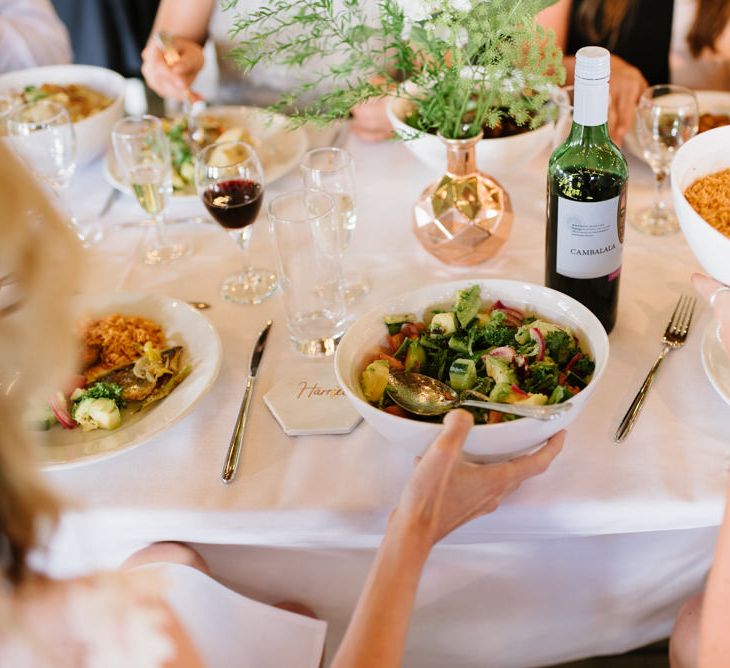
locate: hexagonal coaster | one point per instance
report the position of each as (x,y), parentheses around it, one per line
(311,402)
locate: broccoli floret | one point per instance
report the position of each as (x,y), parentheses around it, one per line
(542,377)
(103,391)
(484,385)
(496,332)
(584,367)
(560,345)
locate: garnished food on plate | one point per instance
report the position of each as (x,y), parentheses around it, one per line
(181,152)
(709,196)
(710,121)
(81,101)
(127,365)
(492,352)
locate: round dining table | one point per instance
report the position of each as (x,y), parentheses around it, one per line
(593,557)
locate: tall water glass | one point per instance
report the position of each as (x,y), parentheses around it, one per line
(230,181)
(42,133)
(667,116)
(331,170)
(143,154)
(307,232)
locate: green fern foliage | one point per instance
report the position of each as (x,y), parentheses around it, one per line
(463,64)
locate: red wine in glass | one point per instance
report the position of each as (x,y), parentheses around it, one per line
(234,203)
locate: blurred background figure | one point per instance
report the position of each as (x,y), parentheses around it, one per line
(192,23)
(108,33)
(31,34)
(684,42)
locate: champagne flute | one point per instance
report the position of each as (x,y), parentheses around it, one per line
(143,154)
(331,170)
(42,133)
(667,116)
(230,181)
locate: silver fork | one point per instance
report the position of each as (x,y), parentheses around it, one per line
(674,337)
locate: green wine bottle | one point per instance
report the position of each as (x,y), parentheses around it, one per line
(586,197)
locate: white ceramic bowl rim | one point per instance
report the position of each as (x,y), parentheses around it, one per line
(395,114)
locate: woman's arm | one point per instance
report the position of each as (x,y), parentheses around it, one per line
(557,18)
(444,492)
(187,21)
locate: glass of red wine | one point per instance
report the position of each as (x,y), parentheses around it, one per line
(230,181)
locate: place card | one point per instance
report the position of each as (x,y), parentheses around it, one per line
(311,402)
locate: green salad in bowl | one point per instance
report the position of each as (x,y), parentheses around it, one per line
(488,351)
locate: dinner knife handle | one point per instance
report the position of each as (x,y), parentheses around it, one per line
(234,447)
(627,424)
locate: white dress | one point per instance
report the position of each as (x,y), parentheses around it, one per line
(119,620)
(265,84)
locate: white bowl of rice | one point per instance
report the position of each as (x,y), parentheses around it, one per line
(701,192)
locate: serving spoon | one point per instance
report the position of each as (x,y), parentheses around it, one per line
(424,395)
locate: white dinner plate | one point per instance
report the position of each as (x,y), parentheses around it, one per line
(279,147)
(716,362)
(183,325)
(709,101)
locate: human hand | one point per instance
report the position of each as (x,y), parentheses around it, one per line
(627,85)
(718,294)
(446,491)
(369,120)
(172,81)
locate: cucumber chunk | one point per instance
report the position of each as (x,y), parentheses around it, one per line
(462,374)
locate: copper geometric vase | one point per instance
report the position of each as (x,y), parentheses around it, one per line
(466,217)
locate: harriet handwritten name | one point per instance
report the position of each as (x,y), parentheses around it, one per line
(307,391)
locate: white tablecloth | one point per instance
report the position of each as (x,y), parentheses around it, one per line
(594,556)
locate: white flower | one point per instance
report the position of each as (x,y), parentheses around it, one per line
(462,37)
(461,5)
(415,10)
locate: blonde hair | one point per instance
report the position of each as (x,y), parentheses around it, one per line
(37,351)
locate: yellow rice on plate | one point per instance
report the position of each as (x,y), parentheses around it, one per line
(120,338)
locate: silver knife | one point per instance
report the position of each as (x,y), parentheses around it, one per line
(234,447)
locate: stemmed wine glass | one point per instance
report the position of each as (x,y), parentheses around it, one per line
(143,154)
(42,133)
(667,116)
(331,170)
(230,181)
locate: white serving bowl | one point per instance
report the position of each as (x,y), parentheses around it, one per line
(93,134)
(706,153)
(496,157)
(485,442)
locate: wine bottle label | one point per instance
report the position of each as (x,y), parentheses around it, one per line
(590,237)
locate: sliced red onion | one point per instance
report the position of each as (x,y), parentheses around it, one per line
(572,362)
(503,352)
(510,318)
(62,414)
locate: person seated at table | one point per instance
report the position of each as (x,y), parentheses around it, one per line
(700,636)
(685,42)
(134,618)
(192,22)
(31,34)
